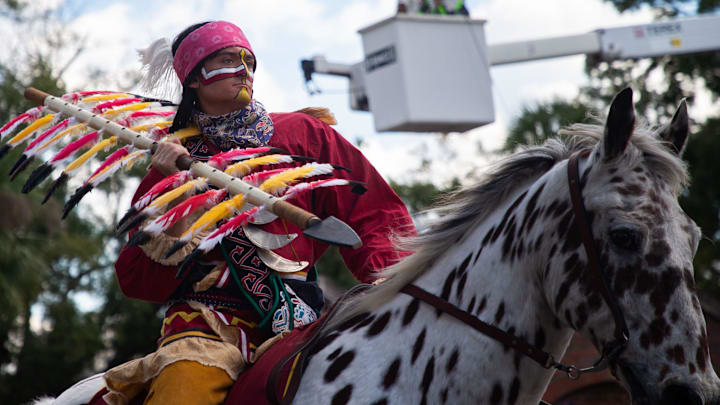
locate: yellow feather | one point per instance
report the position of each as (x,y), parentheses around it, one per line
(214,215)
(104,97)
(31,128)
(145,127)
(244,167)
(286,178)
(183,134)
(175,193)
(90,153)
(126,108)
(73,129)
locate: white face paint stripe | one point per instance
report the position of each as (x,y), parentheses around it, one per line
(231,70)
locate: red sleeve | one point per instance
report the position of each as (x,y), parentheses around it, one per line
(375,215)
(139,276)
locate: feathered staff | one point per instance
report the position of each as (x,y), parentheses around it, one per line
(244,218)
(329,230)
(211,198)
(90,139)
(217,161)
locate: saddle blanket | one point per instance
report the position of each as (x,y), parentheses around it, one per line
(251,387)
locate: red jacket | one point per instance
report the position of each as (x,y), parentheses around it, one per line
(374,215)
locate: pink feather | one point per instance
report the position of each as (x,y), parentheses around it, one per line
(257,178)
(29,115)
(100,108)
(221,160)
(72,147)
(50,132)
(227,228)
(161,187)
(114,157)
(75,97)
(205,200)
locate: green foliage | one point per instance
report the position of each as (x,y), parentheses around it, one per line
(421,195)
(669,7)
(45,261)
(702,202)
(135,324)
(538,123)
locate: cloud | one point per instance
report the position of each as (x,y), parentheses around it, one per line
(283,32)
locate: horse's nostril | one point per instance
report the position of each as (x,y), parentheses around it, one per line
(680,394)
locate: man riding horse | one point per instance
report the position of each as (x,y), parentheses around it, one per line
(227,305)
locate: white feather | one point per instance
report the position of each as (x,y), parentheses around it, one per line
(159,77)
(80,393)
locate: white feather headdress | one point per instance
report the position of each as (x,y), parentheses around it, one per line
(159,78)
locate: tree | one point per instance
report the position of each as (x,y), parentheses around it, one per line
(538,123)
(46,342)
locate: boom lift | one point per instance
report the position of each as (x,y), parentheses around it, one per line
(414,61)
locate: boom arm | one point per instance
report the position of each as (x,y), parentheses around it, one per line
(671,37)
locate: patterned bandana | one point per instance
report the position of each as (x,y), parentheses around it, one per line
(249,127)
(204,41)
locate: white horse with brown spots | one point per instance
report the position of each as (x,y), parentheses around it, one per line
(508,253)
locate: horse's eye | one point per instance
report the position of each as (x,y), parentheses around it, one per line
(626,239)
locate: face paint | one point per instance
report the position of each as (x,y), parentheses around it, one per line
(243,95)
(219,74)
(225,72)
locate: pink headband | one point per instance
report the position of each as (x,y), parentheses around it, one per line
(205,40)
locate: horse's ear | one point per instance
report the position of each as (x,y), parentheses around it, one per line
(619,126)
(676,132)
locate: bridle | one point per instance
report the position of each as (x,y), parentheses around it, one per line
(598,279)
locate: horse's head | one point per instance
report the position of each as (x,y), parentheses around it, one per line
(645,245)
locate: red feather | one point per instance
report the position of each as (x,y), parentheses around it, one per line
(205,200)
(72,147)
(220,160)
(161,187)
(100,108)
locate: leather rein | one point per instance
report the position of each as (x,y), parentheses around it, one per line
(599,281)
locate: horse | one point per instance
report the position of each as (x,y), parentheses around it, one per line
(581,234)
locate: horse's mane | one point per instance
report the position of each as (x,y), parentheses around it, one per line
(463,210)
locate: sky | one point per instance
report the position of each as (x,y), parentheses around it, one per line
(284,32)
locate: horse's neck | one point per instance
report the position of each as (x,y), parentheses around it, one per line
(504,290)
(408,350)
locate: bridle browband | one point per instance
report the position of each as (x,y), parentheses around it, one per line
(598,278)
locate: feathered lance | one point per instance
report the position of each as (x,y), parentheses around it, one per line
(44,170)
(329,230)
